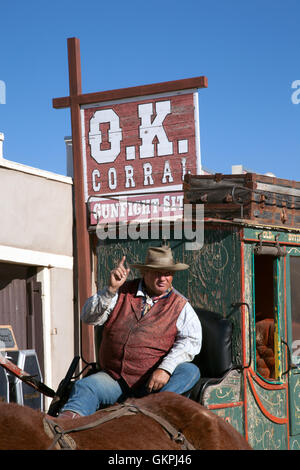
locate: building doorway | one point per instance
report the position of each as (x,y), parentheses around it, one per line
(21,307)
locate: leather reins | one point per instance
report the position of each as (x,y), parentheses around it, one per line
(62,440)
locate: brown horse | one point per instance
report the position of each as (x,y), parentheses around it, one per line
(24,428)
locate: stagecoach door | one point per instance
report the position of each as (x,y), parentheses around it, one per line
(268,309)
(293,338)
(277,337)
(269,404)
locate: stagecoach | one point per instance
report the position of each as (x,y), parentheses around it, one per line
(244,284)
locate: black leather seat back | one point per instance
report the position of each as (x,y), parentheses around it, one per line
(215,357)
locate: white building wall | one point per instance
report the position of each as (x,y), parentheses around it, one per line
(36,229)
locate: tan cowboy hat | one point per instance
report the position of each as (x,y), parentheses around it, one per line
(160,258)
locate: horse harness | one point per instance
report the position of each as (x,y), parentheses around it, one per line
(62,440)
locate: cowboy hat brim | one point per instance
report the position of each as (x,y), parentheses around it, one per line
(159,267)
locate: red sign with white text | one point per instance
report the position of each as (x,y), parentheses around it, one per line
(138,208)
(139,146)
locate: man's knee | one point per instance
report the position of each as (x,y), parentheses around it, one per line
(188,369)
(183,379)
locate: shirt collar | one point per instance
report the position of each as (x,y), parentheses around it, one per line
(141,292)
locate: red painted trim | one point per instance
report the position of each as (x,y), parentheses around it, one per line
(132,92)
(265,412)
(225,405)
(265,385)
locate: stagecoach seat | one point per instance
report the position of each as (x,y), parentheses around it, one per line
(215,358)
(265,359)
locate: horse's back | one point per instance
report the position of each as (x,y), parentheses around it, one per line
(205,429)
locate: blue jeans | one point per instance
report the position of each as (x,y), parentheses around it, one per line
(90,393)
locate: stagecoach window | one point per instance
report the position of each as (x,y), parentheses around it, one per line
(264,300)
(295,308)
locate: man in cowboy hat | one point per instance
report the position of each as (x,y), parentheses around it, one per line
(150,336)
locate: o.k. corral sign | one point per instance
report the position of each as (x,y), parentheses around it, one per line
(136,152)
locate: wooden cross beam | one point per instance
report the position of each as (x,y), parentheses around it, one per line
(74,101)
(122,93)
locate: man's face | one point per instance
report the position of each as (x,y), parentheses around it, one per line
(157,282)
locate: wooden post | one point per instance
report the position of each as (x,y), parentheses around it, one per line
(82,235)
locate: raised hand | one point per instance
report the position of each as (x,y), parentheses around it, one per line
(118,276)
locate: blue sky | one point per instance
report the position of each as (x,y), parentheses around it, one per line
(249,51)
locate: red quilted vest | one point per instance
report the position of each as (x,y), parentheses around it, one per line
(132,346)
